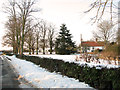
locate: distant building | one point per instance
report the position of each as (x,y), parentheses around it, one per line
(91,46)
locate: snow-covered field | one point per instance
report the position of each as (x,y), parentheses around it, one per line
(41,78)
(72,58)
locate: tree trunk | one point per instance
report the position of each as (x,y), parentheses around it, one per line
(44,46)
(29,49)
(37,47)
(51,45)
(22,43)
(32,50)
(17,42)
(23,27)
(13,42)
(43,50)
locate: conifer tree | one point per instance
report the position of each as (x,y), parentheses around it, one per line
(64,44)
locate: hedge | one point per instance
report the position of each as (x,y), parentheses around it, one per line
(98,78)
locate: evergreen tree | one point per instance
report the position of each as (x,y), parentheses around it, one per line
(64,44)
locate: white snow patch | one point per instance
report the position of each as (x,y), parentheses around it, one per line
(72,58)
(24,86)
(41,78)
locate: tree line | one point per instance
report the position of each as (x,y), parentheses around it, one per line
(18,24)
(24,32)
(22,29)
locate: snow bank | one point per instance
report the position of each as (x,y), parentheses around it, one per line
(41,78)
(72,58)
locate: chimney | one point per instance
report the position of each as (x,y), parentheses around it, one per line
(96,40)
(81,38)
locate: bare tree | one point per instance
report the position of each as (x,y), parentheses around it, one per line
(29,40)
(37,36)
(9,37)
(42,25)
(44,36)
(118,33)
(101,6)
(118,36)
(51,37)
(30,36)
(37,41)
(21,13)
(25,7)
(105,32)
(12,35)
(12,26)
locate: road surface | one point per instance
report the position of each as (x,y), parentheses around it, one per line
(8,78)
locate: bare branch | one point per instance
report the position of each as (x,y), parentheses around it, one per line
(101,6)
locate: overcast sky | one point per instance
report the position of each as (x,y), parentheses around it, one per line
(69,12)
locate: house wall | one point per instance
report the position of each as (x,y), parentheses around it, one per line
(95,48)
(91,49)
(98,47)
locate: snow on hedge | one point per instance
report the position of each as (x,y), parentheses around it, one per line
(41,78)
(72,58)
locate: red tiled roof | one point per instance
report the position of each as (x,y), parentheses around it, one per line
(92,43)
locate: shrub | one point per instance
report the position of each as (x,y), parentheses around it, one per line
(98,78)
(112,50)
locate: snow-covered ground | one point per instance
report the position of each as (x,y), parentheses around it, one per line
(41,78)
(72,58)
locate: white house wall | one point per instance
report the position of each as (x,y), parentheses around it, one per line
(98,47)
(91,48)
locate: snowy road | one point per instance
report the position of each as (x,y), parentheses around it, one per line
(41,78)
(7,76)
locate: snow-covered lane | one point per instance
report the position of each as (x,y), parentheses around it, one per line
(41,78)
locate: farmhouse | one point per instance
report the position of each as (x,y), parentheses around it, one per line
(91,46)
